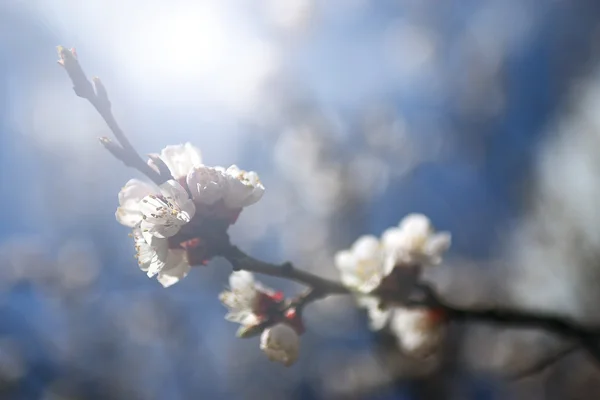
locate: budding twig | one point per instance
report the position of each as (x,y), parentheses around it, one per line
(98,97)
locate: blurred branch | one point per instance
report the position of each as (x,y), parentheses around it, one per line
(587,337)
(425,296)
(544,363)
(98,97)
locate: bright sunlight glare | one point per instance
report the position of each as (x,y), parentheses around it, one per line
(185,43)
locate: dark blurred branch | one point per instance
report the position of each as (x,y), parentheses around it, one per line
(544,363)
(98,97)
(587,337)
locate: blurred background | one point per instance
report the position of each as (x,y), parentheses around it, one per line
(484,115)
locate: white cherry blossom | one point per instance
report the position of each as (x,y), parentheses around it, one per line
(181,159)
(207,185)
(244,188)
(130,198)
(165,213)
(415,241)
(419,331)
(378,317)
(161,210)
(241,299)
(281,343)
(362,266)
(156,259)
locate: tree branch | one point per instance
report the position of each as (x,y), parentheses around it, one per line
(98,97)
(425,296)
(543,363)
(320,287)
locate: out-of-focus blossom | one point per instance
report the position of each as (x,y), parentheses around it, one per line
(181,159)
(401,252)
(419,331)
(281,343)
(378,317)
(390,267)
(362,266)
(415,241)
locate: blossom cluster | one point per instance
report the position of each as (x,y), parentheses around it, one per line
(166,219)
(259,309)
(373,267)
(170,222)
(182,220)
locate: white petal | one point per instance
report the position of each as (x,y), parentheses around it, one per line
(436,246)
(207,185)
(164,215)
(392,238)
(174,192)
(242,281)
(237,193)
(361,267)
(128,213)
(351,281)
(280,343)
(416,225)
(244,188)
(241,299)
(367,246)
(176,268)
(151,252)
(417,335)
(181,159)
(345,261)
(378,318)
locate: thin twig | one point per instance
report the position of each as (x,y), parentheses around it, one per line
(320,286)
(97,95)
(543,363)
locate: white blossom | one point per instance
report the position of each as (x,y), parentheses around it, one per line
(207,185)
(181,159)
(414,241)
(281,343)
(155,258)
(378,317)
(161,211)
(130,198)
(362,266)
(241,299)
(418,331)
(244,188)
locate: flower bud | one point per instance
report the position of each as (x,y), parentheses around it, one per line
(281,343)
